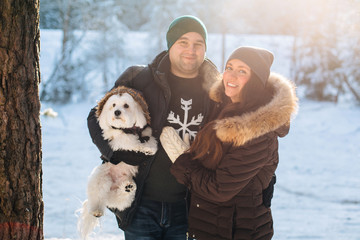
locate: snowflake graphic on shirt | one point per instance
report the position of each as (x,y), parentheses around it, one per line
(185,124)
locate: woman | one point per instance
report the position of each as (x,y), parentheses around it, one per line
(234,157)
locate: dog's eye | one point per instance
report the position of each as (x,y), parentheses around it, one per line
(114,104)
(126,106)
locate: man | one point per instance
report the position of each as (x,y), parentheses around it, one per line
(175,86)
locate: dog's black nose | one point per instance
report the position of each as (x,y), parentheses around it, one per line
(117,113)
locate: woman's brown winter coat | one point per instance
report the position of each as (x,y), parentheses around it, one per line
(226,202)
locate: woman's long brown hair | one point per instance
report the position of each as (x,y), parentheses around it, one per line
(207,148)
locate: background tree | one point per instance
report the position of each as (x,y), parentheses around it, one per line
(326,56)
(21,205)
(67,79)
(325,52)
(50,15)
(160,13)
(105,56)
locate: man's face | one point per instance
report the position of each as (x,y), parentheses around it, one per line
(187,54)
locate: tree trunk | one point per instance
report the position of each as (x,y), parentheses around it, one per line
(21,205)
(353,91)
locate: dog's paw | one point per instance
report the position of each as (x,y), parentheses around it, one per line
(97,213)
(128,186)
(149,150)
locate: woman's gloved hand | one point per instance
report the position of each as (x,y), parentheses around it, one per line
(172,143)
(269,192)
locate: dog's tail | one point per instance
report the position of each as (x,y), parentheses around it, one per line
(86,222)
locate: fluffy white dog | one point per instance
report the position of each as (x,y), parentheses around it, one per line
(124,119)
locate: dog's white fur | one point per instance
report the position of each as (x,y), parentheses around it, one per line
(112,185)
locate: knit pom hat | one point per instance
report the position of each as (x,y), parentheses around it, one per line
(258,59)
(182,25)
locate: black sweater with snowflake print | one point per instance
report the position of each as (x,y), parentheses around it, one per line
(186,113)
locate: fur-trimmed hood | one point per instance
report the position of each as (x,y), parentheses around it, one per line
(119,91)
(238,130)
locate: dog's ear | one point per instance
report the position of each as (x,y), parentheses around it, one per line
(140,116)
(102,101)
(138,97)
(101,104)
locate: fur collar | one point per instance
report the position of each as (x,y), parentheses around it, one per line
(277,113)
(210,74)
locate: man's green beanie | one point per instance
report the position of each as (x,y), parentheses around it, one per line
(182,25)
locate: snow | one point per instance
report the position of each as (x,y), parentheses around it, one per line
(317,194)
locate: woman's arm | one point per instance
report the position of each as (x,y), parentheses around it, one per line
(236,169)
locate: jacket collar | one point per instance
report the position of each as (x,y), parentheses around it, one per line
(208,71)
(273,116)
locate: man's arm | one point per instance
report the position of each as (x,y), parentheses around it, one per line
(96,136)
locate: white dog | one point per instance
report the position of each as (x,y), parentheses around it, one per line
(124,119)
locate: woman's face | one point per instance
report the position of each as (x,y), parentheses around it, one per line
(236,75)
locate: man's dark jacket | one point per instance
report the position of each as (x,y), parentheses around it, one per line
(152,82)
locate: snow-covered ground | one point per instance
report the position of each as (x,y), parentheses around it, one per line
(317,195)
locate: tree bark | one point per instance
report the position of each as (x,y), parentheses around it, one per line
(21,205)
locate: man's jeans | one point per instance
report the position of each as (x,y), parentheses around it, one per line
(158,221)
